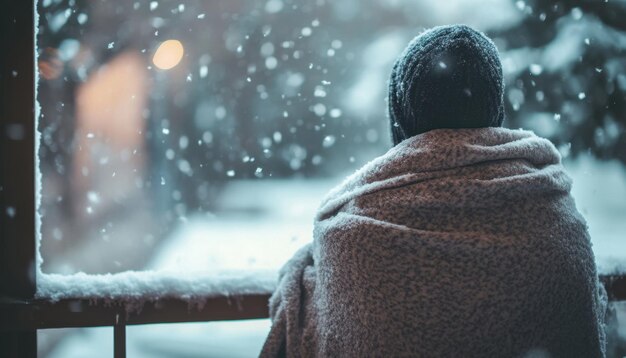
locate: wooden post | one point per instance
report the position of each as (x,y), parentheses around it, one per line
(18,344)
(119,338)
(17,150)
(17,166)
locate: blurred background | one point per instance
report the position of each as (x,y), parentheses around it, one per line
(202,134)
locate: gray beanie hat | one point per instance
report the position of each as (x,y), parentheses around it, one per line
(447,77)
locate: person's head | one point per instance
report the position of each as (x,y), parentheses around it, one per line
(447,77)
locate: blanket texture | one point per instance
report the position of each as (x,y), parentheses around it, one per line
(455,243)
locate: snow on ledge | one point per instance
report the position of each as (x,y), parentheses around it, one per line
(194,287)
(611,265)
(138,287)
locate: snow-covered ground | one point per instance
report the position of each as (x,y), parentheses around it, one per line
(236,339)
(600,192)
(259,226)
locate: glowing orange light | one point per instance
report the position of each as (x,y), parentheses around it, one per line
(168,55)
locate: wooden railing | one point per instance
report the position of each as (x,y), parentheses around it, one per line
(27,316)
(21,315)
(615,286)
(31,315)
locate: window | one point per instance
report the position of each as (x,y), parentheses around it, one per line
(203,131)
(196,138)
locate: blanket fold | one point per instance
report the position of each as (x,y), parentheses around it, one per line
(454,243)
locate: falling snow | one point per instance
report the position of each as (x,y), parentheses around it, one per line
(268,94)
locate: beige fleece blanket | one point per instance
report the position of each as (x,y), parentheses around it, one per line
(455,243)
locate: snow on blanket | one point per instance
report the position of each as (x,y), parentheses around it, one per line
(454,243)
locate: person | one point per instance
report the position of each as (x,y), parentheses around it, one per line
(461,241)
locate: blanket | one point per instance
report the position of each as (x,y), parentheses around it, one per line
(455,243)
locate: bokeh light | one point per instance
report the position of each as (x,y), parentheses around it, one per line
(168,54)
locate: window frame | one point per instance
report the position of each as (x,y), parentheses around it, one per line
(22,313)
(17,170)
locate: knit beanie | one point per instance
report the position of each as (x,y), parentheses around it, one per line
(447,77)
